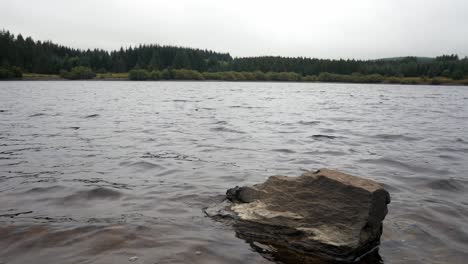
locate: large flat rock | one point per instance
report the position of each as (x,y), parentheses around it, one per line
(324,213)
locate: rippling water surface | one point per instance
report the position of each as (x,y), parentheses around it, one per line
(99,172)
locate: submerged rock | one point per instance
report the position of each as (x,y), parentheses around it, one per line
(324,213)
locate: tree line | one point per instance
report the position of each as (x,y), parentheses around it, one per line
(46,57)
(19,54)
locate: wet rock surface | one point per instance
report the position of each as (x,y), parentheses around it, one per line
(324,214)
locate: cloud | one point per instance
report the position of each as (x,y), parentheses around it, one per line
(324,29)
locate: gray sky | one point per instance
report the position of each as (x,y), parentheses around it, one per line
(362,29)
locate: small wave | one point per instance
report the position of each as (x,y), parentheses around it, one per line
(74,127)
(168,155)
(48,219)
(284,150)
(93,194)
(451,184)
(246,107)
(3,111)
(38,114)
(101,182)
(449,149)
(92,116)
(449,157)
(308,123)
(330,152)
(319,136)
(290,132)
(12,215)
(307,162)
(225,129)
(395,137)
(37,190)
(402,165)
(220,122)
(168,172)
(342,119)
(172,210)
(145,165)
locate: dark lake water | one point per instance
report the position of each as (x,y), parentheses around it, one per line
(99,172)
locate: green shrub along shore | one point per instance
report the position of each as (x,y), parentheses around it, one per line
(85,73)
(192,75)
(78,73)
(10,73)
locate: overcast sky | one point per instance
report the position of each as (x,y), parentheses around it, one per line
(362,29)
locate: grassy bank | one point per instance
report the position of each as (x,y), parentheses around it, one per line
(112,76)
(41,77)
(190,75)
(183,74)
(51,77)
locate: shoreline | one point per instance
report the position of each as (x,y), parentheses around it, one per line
(58,78)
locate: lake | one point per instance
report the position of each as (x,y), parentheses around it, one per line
(102,171)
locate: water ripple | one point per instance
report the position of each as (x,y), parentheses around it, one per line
(98,172)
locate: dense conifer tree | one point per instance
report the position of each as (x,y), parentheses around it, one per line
(49,58)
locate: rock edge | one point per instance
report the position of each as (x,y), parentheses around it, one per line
(324,213)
